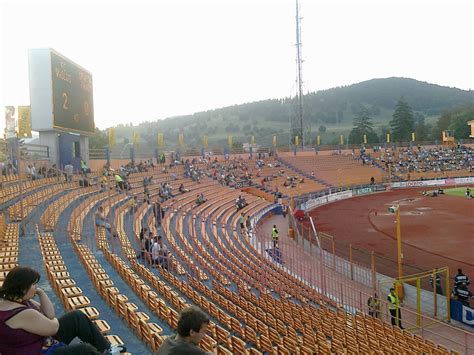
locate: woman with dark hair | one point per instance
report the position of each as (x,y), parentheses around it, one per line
(28,326)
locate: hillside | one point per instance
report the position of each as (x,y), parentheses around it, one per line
(328,113)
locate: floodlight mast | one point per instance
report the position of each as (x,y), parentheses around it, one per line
(299,77)
(396,209)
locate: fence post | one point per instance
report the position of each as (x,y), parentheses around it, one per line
(350,260)
(333,253)
(374,274)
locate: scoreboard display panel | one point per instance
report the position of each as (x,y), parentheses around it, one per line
(72,98)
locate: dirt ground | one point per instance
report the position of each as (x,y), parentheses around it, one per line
(436,231)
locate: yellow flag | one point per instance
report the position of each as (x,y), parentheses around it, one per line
(229,141)
(341,139)
(297,140)
(413,136)
(365,138)
(274,141)
(205,141)
(160,140)
(318,140)
(24,121)
(181,139)
(136,139)
(112,138)
(388,137)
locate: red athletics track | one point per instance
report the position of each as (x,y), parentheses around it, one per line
(436,231)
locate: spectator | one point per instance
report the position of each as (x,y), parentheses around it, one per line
(28,172)
(102,221)
(439,289)
(143,237)
(27,325)
(192,327)
(133,205)
(84,168)
(69,170)
(200,199)
(462,294)
(160,253)
(242,223)
(118,181)
(374,306)
(460,279)
(275,237)
(104,182)
(248,225)
(149,241)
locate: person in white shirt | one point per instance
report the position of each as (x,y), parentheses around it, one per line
(69,169)
(159,253)
(28,172)
(33,172)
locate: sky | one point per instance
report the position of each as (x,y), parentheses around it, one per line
(156,59)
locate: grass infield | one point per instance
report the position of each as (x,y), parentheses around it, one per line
(457,191)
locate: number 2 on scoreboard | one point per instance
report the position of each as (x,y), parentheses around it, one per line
(65,101)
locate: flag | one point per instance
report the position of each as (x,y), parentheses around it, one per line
(112,138)
(136,139)
(24,121)
(160,140)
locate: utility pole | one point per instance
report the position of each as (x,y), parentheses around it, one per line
(299,63)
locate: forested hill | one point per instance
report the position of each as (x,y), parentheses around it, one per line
(429,99)
(327,113)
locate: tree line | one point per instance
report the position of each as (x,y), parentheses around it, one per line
(406,125)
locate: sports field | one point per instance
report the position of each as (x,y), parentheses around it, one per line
(436,231)
(456,191)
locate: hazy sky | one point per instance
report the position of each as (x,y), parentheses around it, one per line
(155,59)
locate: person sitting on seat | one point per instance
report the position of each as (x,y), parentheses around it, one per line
(103,222)
(240,203)
(28,326)
(182,189)
(160,253)
(192,327)
(200,199)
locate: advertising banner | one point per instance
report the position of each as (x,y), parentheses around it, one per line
(441,182)
(462,313)
(10,119)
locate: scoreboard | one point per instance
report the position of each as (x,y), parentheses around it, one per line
(61,93)
(73,106)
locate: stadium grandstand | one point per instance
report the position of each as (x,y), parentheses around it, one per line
(93,236)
